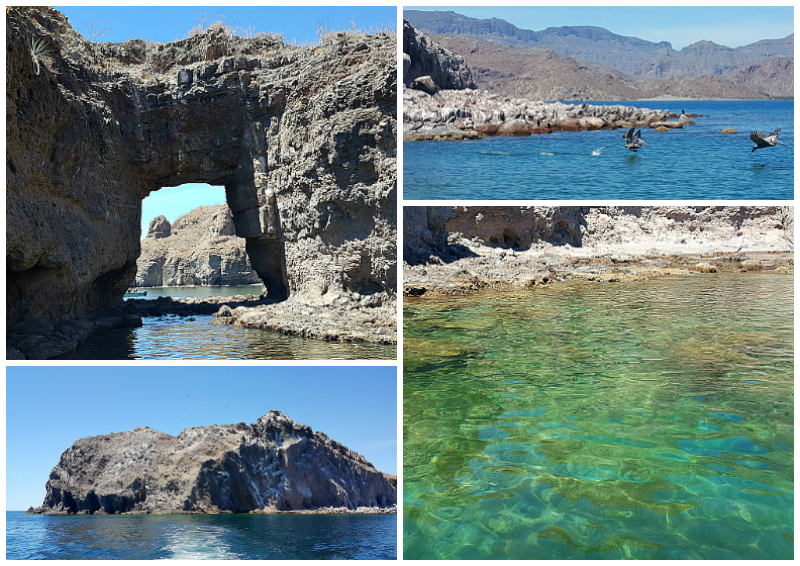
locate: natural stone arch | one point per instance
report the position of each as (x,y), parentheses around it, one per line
(303,139)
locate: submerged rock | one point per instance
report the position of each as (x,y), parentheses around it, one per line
(272,465)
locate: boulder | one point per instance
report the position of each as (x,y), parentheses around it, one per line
(159,227)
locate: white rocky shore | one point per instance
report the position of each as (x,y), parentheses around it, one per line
(472,114)
(462,250)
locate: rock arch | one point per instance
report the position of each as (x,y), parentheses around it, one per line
(303,139)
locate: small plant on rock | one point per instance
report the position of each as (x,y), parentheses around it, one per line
(38,48)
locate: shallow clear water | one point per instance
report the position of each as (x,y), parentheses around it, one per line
(188,292)
(192,537)
(696,162)
(177,338)
(586,421)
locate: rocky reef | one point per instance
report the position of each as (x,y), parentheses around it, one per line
(200,248)
(272,465)
(460,250)
(469,114)
(303,138)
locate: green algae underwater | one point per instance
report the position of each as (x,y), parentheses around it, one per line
(649,420)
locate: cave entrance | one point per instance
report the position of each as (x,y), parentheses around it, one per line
(261,256)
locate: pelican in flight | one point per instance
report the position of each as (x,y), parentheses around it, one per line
(633,141)
(767,141)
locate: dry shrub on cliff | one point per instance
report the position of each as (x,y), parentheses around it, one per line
(327,34)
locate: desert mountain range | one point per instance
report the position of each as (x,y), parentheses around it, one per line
(585,62)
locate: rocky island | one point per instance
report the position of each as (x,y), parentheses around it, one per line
(273,465)
(302,137)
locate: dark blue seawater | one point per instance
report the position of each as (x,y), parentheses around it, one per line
(696,162)
(192,537)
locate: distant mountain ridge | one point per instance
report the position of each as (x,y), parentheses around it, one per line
(631,55)
(539,73)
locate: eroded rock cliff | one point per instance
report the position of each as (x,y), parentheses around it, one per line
(272,465)
(200,248)
(303,138)
(457,250)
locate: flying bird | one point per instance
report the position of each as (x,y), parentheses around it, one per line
(633,141)
(767,141)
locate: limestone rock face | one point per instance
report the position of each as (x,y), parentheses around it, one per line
(274,464)
(303,138)
(634,229)
(200,249)
(423,57)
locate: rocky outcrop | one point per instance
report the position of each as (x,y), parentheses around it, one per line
(467,110)
(201,248)
(159,227)
(272,465)
(457,250)
(423,57)
(303,138)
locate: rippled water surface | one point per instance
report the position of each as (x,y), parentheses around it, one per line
(585,421)
(696,162)
(191,537)
(177,338)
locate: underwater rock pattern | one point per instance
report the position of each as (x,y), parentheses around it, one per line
(272,465)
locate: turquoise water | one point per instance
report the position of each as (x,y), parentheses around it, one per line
(696,162)
(179,338)
(193,537)
(645,420)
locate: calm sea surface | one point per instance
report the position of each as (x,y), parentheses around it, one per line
(178,338)
(192,537)
(602,421)
(696,162)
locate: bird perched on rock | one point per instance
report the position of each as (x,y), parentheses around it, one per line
(633,140)
(767,141)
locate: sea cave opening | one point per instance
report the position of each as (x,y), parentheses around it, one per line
(189,246)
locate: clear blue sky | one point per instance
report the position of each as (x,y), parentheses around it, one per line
(168,23)
(297,24)
(680,25)
(48,408)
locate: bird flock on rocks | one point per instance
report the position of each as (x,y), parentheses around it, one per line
(633,140)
